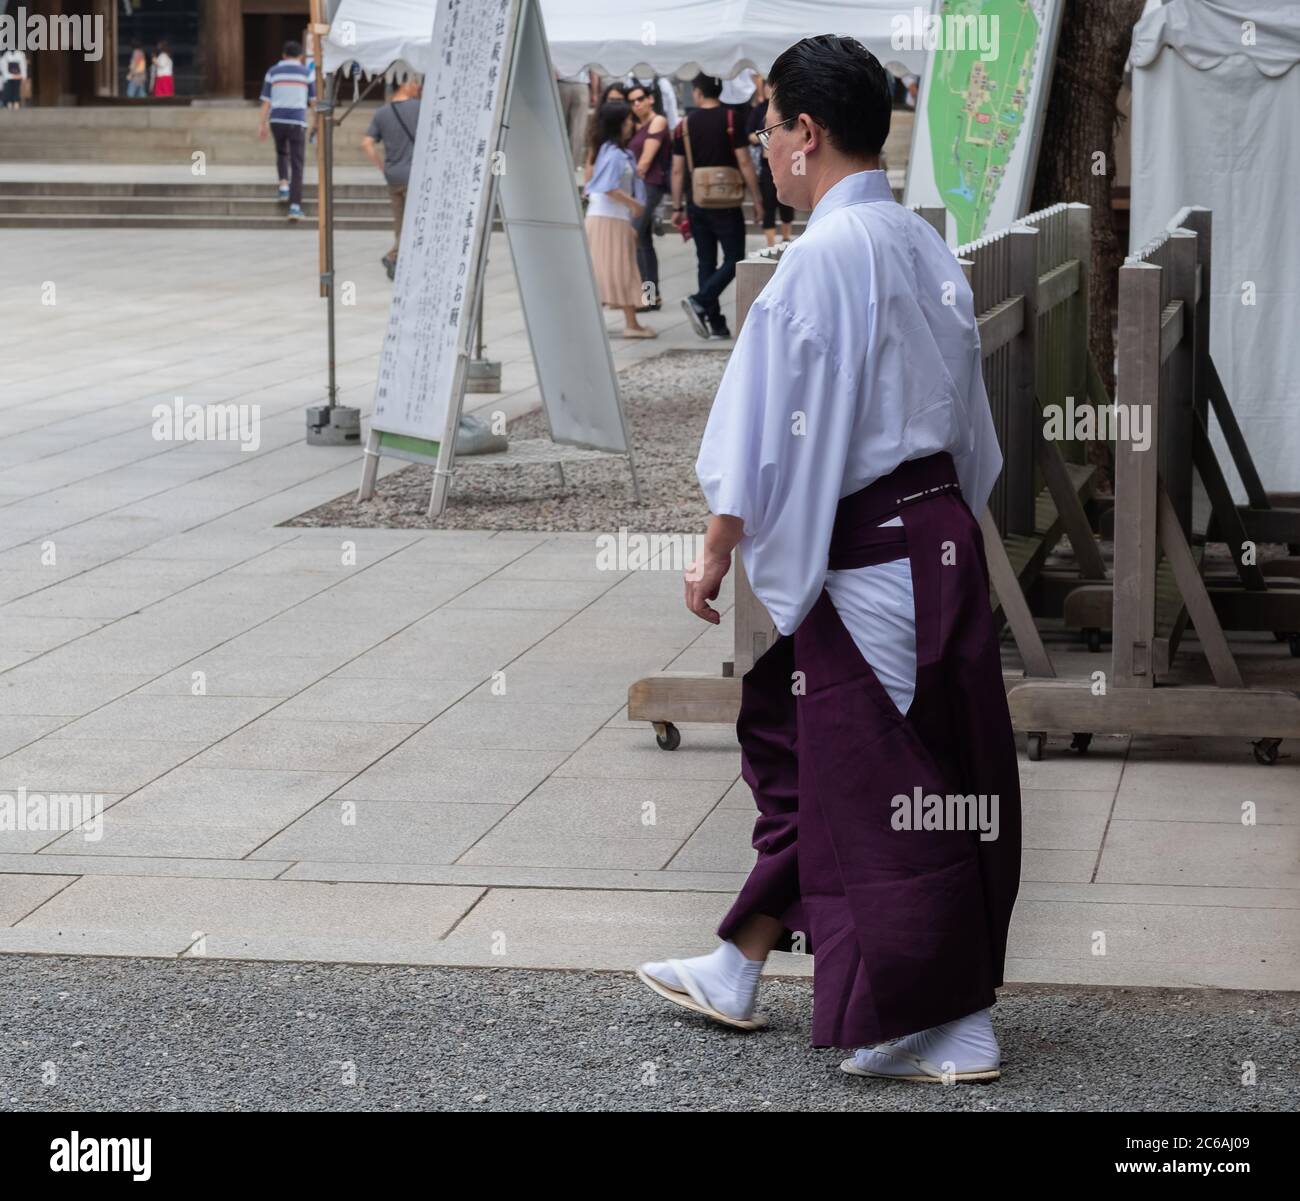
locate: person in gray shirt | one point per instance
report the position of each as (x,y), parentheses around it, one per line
(393,127)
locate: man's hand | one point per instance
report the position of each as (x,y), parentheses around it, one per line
(704,576)
(263,131)
(703,579)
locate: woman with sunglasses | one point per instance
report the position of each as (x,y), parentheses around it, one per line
(650,147)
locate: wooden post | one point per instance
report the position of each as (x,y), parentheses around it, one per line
(1198,220)
(1137,383)
(751,278)
(753,631)
(1078,235)
(1177,422)
(1022,412)
(223,47)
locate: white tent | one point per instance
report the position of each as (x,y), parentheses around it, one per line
(1216,99)
(685,36)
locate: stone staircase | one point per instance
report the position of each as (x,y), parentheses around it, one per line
(90,155)
(200,205)
(226,134)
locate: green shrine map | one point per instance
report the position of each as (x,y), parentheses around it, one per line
(976,110)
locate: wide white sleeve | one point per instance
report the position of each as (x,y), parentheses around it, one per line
(774,452)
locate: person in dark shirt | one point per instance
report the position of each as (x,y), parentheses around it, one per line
(772,208)
(393,127)
(717,139)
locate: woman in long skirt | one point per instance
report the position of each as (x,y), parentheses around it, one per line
(615,199)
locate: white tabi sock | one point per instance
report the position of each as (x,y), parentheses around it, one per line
(728,979)
(965,1045)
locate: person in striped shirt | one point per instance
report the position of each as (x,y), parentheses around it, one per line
(288,93)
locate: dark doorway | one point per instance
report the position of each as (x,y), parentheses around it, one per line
(264,37)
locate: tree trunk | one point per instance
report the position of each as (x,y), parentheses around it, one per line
(1080,126)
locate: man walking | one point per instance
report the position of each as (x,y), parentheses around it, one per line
(393,127)
(577,99)
(288,93)
(848,451)
(712,168)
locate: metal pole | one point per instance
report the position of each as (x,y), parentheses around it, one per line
(330,424)
(325,192)
(482,375)
(478,320)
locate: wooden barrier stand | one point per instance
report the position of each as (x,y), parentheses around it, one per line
(1157,585)
(1254,596)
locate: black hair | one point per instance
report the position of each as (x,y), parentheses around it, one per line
(710,85)
(292,49)
(607,125)
(616,86)
(841,85)
(651,90)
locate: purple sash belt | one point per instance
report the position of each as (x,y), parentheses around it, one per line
(858,539)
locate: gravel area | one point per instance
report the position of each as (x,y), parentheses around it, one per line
(666,402)
(139,1034)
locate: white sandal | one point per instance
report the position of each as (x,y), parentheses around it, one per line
(694,1000)
(927,1072)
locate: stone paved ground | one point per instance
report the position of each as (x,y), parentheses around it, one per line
(353,785)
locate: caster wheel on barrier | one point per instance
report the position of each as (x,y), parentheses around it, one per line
(667,735)
(1293,640)
(1034,746)
(1081,743)
(1093,638)
(1266,751)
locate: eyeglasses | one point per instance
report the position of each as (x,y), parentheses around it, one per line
(763,135)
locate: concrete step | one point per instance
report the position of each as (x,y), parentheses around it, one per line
(225,116)
(34,204)
(267,205)
(230,152)
(133,221)
(188,190)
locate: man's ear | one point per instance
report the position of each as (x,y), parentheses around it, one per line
(810,131)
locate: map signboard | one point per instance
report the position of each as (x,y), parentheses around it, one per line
(980,111)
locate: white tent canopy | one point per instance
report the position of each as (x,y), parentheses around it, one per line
(668,36)
(1216,95)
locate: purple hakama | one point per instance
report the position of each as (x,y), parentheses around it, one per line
(908,926)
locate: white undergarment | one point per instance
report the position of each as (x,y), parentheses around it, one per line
(878,609)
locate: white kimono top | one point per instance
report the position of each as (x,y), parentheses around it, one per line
(860,353)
